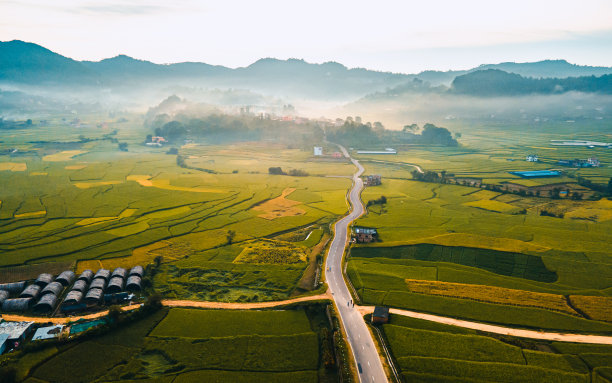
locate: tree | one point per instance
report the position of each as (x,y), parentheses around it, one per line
(113,314)
(276,170)
(610,186)
(123,146)
(230,236)
(149,138)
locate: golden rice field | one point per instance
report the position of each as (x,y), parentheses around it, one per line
(597,308)
(491,294)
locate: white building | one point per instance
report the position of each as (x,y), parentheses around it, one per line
(533,158)
(318,151)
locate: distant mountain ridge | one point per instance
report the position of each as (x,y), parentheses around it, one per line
(495,82)
(31,64)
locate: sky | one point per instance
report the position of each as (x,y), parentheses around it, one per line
(399,36)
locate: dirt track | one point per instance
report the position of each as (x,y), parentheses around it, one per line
(531,334)
(553,336)
(172,303)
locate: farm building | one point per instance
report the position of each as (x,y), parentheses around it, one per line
(533,158)
(364,234)
(133,283)
(46,304)
(44,279)
(115,285)
(65,278)
(386,151)
(17,304)
(3,296)
(136,270)
(537,173)
(13,288)
(98,283)
(74,297)
(16,331)
(3,343)
(102,273)
(80,285)
(372,180)
(119,272)
(49,332)
(93,297)
(318,151)
(380,315)
(31,291)
(576,163)
(54,288)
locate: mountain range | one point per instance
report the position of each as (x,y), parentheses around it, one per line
(23,63)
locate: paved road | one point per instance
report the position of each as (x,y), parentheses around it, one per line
(358,336)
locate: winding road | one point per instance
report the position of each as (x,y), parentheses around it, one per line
(358,336)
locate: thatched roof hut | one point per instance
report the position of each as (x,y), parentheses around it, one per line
(31,291)
(133,283)
(98,283)
(44,279)
(103,273)
(66,278)
(46,304)
(13,288)
(119,272)
(136,270)
(17,304)
(54,288)
(115,285)
(94,296)
(80,285)
(86,276)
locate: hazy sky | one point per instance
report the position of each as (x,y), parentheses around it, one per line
(401,36)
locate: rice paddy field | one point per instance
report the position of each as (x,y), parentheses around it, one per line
(471,253)
(74,198)
(195,345)
(432,352)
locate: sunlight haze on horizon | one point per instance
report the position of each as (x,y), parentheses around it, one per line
(396,36)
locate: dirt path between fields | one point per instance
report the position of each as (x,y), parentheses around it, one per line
(173,303)
(532,334)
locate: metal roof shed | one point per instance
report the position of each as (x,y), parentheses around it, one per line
(133,283)
(44,279)
(66,278)
(46,304)
(115,285)
(17,304)
(54,288)
(49,332)
(102,273)
(80,285)
(13,288)
(136,270)
(16,331)
(86,276)
(31,291)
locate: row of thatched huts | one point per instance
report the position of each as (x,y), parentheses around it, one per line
(89,288)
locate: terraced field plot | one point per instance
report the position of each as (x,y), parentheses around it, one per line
(431,352)
(197,345)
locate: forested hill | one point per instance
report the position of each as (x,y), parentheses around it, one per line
(494,82)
